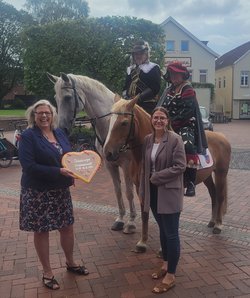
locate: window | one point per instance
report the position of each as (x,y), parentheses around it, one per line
(203,75)
(184,46)
(170,45)
(244,110)
(224,82)
(219,82)
(244,78)
(215,83)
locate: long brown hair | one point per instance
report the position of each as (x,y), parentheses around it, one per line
(163,110)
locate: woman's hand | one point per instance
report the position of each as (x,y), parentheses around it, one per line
(67,173)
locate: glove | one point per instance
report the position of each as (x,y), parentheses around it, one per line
(124,95)
(146,94)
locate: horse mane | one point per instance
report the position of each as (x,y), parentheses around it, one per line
(89,84)
(121,107)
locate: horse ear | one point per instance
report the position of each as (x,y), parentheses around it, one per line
(132,102)
(64,76)
(52,78)
(117,97)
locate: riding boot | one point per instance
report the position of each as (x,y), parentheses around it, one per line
(190,175)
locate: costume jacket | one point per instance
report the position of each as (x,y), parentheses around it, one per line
(184,111)
(41,161)
(170,164)
(144,79)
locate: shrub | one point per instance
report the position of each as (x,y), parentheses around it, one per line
(81,132)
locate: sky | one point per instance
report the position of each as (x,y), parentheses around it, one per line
(225,24)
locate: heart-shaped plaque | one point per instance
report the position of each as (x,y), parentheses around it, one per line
(83,164)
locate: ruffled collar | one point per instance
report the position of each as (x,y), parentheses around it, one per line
(146,67)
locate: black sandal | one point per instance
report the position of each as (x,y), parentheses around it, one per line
(81,270)
(50,283)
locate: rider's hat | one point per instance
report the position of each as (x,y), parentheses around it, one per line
(140,46)
(176,67)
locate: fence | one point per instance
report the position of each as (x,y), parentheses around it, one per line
(219,117)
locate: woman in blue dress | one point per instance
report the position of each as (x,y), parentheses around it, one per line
(45,200)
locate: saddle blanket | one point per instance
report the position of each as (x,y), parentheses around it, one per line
(199,161)
(206,160)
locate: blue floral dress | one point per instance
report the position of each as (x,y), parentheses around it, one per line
(43,211)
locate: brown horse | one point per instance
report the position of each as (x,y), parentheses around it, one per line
(129,125)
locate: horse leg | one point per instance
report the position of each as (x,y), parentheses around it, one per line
(115,174)
(221,200)
(130,226)
(141,245)
(212,192)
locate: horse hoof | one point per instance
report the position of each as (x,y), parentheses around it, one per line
(211,224)
(117,226)
(216,230)
(129,229)
(140,248)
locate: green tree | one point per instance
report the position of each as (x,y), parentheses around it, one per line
(124,32)
(12,23)
(48,11)
(97,48)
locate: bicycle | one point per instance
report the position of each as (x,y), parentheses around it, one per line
(19,126)
(82,137)
(9,150)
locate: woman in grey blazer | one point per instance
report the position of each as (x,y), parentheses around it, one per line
(161,189)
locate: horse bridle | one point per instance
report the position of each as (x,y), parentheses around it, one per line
(93,120)
(126,146)
(76,106)
(73,86)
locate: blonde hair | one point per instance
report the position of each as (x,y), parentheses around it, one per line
(30,113)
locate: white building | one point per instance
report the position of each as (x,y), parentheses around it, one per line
(232,93)
(181,45)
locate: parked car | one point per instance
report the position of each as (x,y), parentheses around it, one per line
(206,119)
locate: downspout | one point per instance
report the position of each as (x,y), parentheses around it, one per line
(232,112)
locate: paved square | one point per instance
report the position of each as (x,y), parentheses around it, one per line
(210,265)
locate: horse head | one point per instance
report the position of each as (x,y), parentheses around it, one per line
(68,99)
(121,128)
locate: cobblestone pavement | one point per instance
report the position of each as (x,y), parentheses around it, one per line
(210,265)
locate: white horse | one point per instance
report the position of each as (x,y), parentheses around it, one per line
(75,93)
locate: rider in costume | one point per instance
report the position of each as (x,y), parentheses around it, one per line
(180,101)
(143,77)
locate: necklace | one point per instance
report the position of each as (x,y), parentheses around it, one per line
(50,138)
(157,140)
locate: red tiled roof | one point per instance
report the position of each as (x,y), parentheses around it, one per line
(17,90)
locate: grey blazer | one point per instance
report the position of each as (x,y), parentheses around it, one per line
(170,164)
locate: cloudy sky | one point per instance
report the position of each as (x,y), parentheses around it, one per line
(224,23)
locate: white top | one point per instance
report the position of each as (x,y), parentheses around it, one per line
(153,154)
